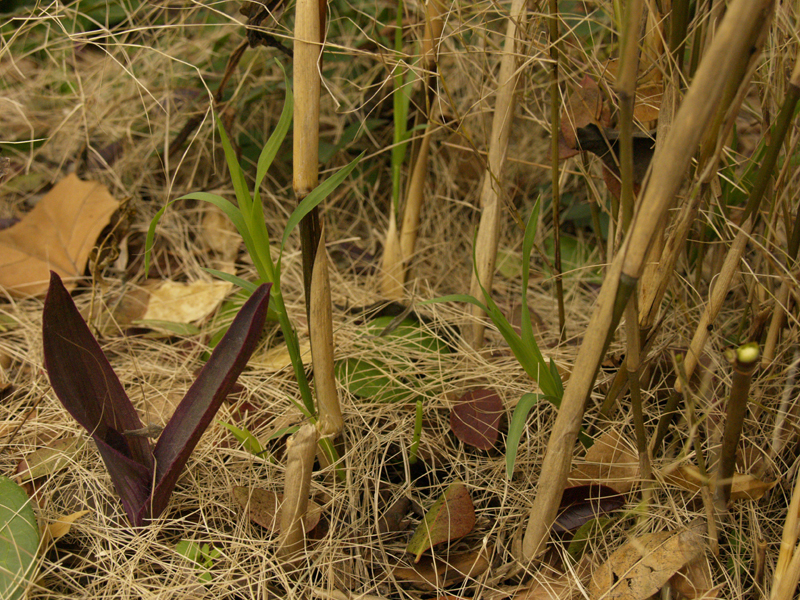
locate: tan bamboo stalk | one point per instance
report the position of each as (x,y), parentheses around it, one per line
(729,47)
(300,452)
(416,186)
(787,571)
(320,329)
(489,227)
(392,270)
(307,50)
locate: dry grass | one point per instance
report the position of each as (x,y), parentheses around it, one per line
(77,94)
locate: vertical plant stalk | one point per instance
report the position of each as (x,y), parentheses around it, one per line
(745,361)
(320,328)
(782,300)
(626,90)
(416,185)
(502,119)
(729,48)
(392,269)
(300,452)
(733,258)
(787,571)
(307,50)
(555,126)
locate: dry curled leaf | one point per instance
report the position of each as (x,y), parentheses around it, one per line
(432,574)
(57,235)
(610,461)
(641,567)
(694,581)
(262,508)
(475,417)
(584,105)
(743,486)
(451,517)
(61,526)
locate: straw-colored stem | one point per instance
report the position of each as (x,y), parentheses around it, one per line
(307,49)
(320,328)
(492,189)
(626,90)
(787,571)
(300,452)
(634,367)
(392,271)
(744,364)
(727,50)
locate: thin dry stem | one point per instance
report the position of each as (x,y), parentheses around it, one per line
(491,206)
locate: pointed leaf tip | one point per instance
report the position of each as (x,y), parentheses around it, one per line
(201,402)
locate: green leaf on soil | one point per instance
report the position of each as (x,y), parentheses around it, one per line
(19,540)
(248,441)
(451,517)
(370,379)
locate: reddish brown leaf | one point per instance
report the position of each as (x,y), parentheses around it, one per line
(581,504)
(584,105)
(451,517)
(475,417)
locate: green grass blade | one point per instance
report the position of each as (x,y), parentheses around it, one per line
(248,286)
(515,429)
(316,196)
(237,175)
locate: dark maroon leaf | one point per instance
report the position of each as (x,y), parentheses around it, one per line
(83,379)
(215,381)
(475,417)
(87,386)
(582,503)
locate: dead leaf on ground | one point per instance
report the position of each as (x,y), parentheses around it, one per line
(58,235)
(277,358)
(394,519)
(220,234)
(585,104)
(432,574)
(176,302)
(56,456)
(642,566)
(743,486)
(262,508)
(694,581)
(475,417)
(60,527)
(451,517)
(610,461)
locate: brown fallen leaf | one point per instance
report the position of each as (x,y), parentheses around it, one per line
(743,486)
(451,517)
(432,574)
(60,527)
(610,461)
(641,567)
(176,302)
(57,455)
(694,581)
(475,417)
(262,507)
(58,235)
(585,105)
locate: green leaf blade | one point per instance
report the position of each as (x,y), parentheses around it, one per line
(19,540)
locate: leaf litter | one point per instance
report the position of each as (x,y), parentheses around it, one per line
(350,560)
